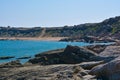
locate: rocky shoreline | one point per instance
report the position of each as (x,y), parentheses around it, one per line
(98,62)
(90,39)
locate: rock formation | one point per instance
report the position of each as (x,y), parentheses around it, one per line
(69,55)
(108,71)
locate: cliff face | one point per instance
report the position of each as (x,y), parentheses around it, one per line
(109,27)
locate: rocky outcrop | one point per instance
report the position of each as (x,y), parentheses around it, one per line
(49,57)
(96,48)
(108,71)
(11,64)
(75,54)
(89,39)
(69,55)
(111,51)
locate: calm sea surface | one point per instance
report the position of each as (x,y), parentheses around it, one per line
(20,48)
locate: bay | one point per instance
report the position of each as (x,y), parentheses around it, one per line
(21,48)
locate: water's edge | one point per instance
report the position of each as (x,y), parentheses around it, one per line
(25,48)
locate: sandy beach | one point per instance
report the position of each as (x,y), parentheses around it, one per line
(33,38)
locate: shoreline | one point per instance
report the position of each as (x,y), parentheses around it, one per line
(33,38)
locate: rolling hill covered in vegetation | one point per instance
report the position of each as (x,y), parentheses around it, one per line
(109,27)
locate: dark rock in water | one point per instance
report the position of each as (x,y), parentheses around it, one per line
(11,64)
(69,55)
(25,57)
(108,71)
(6,57)
(49,57)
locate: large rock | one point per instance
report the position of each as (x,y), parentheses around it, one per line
(49,57)
(75,54)
(69,55)
(108,71)
(111,51)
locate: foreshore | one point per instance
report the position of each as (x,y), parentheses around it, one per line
(71,63)
(33,38)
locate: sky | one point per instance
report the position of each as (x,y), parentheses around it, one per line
(56,13)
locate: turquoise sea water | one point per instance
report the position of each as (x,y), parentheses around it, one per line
(20,48)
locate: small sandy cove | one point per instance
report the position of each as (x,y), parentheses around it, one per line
(33,38)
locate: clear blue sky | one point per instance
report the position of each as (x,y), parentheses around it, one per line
(33,13)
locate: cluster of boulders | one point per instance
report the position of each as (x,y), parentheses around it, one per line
(99,62)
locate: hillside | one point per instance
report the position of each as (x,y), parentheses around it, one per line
(109,27)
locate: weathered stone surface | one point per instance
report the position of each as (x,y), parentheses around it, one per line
(37,72)
(89,77)
(111,51)
(108,71)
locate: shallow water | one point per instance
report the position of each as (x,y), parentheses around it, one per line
(20,48)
